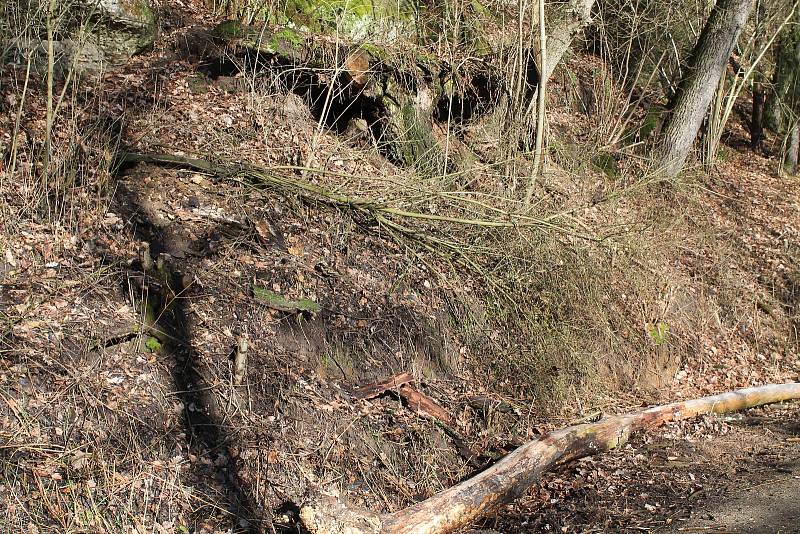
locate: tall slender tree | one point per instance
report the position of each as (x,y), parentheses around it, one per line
(696,89)
(759,91)
(787,91)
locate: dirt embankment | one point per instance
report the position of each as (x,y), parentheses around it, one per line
(127,305)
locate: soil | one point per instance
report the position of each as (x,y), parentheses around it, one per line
(737,474)
(760,493)
(124,321)
(769,507)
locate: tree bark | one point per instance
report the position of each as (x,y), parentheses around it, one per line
(571,20)
(509,478)
(759,91)
(792,149)
(696,90)
(757,115)
(541,93)
(577,16)
(785,105)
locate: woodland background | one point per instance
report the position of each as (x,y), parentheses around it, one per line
(219,219)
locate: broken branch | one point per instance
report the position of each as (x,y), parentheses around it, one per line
(509,478)
(418,402)
(374,389)
(279,177)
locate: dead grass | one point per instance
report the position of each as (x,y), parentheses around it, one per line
(631,295)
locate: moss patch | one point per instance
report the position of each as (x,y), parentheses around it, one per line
(229,29)
(354,19)
(281,303)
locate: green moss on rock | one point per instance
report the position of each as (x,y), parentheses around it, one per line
(138,10)
(353,19)
(117,29)
(228,29)
(408,134)
(287,42)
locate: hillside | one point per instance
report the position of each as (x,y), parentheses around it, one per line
(220,249)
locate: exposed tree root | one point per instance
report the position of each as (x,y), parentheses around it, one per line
(509,478)
(398,223)
(279,177)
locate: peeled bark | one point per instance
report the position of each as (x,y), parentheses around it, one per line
(697,88)
(509,478)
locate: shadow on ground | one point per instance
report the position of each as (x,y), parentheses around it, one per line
(164,296)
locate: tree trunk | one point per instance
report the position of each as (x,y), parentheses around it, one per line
(696,90)
(575,18)
(757,115)
(570,21)
(785,105)
(792,150)
(509,478)
(759,92)
(541,93)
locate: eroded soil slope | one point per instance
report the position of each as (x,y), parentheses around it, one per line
(127,309)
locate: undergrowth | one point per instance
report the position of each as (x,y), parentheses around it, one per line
(608,285)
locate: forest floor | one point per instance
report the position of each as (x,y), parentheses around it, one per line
(735,474)
(126,306)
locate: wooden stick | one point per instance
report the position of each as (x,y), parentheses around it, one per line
(374,389)
(509,478)
(418,402)
(280,176)
(240,361)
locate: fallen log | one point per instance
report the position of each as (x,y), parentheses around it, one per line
(509,478)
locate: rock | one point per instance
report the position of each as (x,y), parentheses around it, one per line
(124,27)
(285,42)
(68,54)
(198,84)
(232,84)
(294,106)
(96,34)
(399,91)
(359,133)
(356,20)
(408,127)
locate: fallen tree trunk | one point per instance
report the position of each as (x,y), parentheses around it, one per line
(509,478)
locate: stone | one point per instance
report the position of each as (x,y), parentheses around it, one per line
(380,21)
(95,35)
(123,27)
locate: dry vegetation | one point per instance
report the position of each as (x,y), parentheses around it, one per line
(125,291)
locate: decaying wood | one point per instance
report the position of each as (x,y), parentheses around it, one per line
(418,402)
(374,389)
(509,478)
(240,361)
